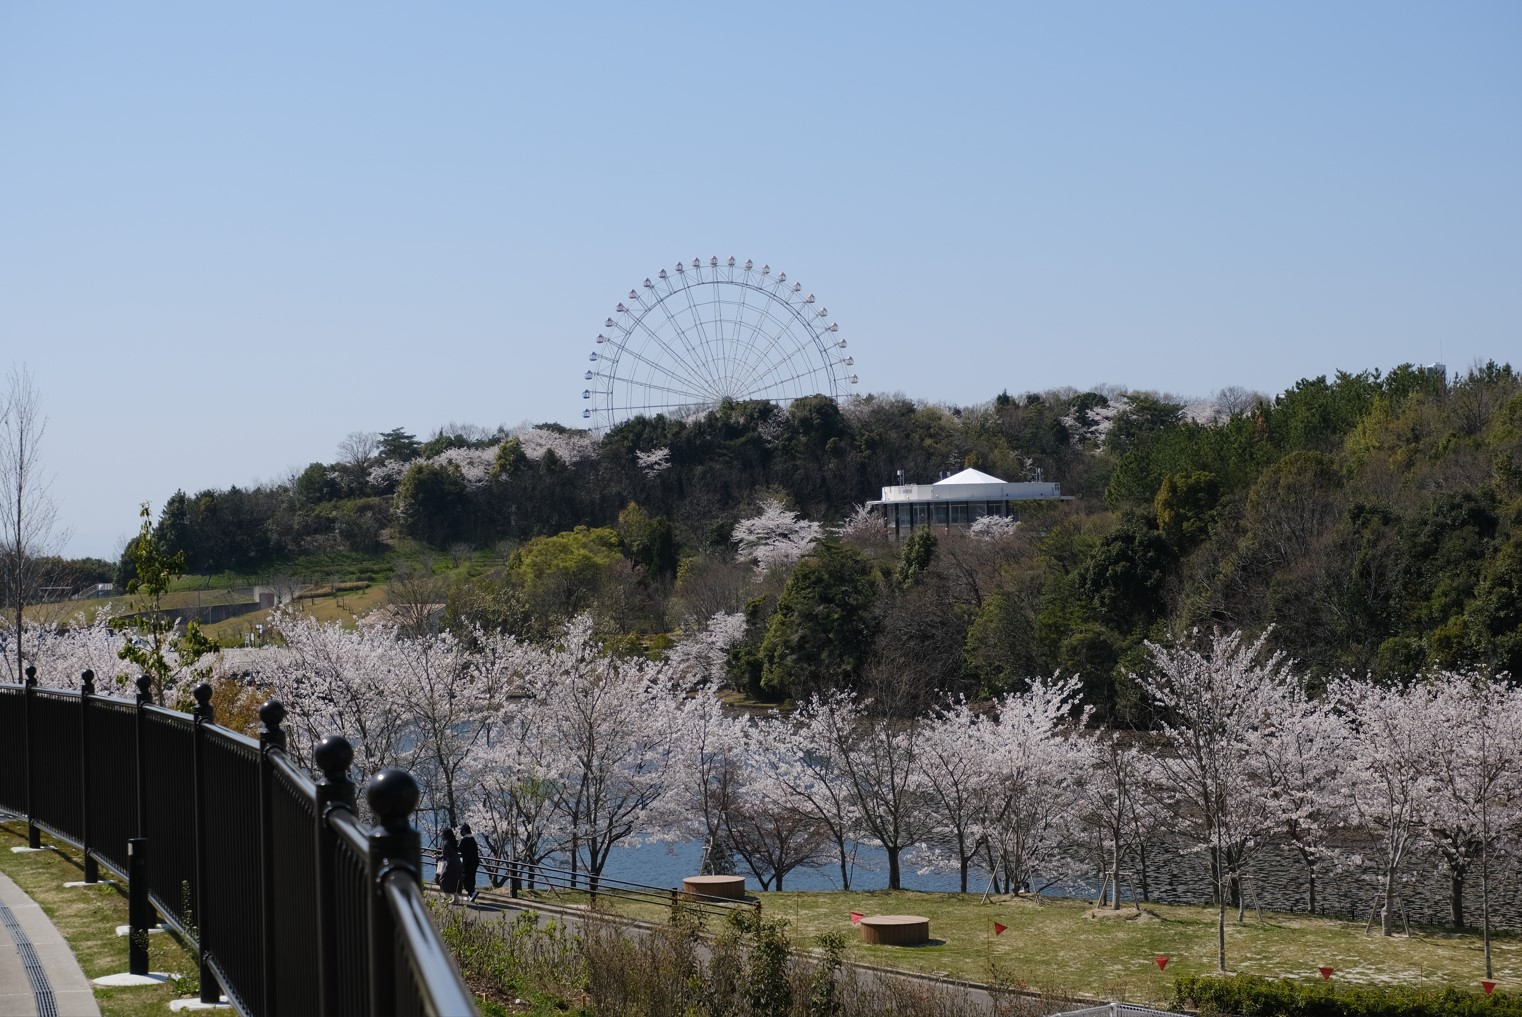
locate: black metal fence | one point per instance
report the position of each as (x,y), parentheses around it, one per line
(292,905)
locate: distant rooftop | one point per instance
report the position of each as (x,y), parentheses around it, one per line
(967,476)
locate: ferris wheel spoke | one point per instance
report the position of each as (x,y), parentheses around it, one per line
(661,342)
(697,363)
(697,320)
(784,328)
(655,365)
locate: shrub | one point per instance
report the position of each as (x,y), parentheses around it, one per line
(1251,996)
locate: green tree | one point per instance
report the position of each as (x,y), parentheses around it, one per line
(397,446)
(916,556)
(154,568)
(559,577)
(1185,507)
(430,503)
(823,628)
(1125,576)
(648,542)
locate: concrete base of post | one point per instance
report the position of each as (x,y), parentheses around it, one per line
(29,850)
(126,930)
(127,979)
(191,1003)
(85,882)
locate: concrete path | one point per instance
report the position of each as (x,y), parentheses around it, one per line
(39,976)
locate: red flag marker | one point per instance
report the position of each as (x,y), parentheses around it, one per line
(1489,987)
(999,929)
(1162,962)
(1326,974)
(856,917)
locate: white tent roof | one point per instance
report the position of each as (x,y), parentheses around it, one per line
(968,476)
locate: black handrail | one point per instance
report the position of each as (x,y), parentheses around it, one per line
(292,906)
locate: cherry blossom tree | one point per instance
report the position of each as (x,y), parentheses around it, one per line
(700,658)
(768,827)
(711,770)
(863,524)
(609,731)
(956,751)
(654,462)
(993,527)
(1478,780)
(1037,775)
(776,538)
(63,651)
(1306,772)
(1216,706)
(332,679)
(878,750)
(808,760)
(1392,785)
(1112,801)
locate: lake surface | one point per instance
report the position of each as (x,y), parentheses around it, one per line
(1276,879)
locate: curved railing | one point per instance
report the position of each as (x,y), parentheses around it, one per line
(291,904)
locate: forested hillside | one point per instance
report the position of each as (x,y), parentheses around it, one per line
(1373,520)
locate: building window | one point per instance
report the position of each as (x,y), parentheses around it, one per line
(940,513)
(959,514)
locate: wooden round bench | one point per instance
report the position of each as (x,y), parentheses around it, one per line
(728,887)
(895,930)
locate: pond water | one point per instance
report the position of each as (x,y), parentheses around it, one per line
(1276,879)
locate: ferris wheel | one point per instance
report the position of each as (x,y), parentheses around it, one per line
(708,331)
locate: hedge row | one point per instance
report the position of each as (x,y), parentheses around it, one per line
(1252,996)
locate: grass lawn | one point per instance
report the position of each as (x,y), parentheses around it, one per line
(1064,946)
(87,917)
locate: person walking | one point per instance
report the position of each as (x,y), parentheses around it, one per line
(449,866)
(470,861)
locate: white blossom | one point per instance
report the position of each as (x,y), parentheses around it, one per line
(568,446)
(654,462)
(775,538)
(700,658)
(993,527)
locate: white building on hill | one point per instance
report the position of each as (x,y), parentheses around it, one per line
(958,500)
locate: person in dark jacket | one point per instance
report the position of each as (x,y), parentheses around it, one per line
(470,861)
(449,865)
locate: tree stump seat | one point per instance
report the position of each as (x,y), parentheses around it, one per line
(728,887)
(895,930)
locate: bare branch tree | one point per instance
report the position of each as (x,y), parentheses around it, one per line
(27,513)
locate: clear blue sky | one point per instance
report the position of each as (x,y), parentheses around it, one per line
(232,233)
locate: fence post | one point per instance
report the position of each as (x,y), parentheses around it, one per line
(139,912)
(270,738)
(144,697)
(334,791)
(33,835)
(204,925)
(87,847)
(394,846)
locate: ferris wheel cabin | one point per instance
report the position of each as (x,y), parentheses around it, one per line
(957,501)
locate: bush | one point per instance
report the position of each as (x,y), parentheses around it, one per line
(1251,996)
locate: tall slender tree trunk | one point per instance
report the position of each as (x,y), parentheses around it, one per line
(893,876)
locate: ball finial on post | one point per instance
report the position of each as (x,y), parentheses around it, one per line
(144,689)
(333,756)
(270,716)
(87,682)
(392,794)
(31,676)
(203,711)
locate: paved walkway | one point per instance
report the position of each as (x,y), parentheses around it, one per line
(39,976)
